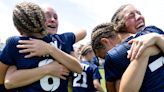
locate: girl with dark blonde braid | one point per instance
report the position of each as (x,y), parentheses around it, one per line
(29,19)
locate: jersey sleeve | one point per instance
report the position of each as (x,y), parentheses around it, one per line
(154,29)
(72,37)
(110,74)
(8,52)
(116,63)
(68,39)
(2,88)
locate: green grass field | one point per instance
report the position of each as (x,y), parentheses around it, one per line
(103,79)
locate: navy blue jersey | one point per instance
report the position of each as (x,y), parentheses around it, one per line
(116,63)
(2,88)
(11,56)
(95,61)
(84,82)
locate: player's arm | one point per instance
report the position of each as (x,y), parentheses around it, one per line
(3,69)
(18,78)
(97,85)
(39,48)
(143,42)
(80,34)
(65,59)
(96,79)
(160,42)
(132,78)
(110,86)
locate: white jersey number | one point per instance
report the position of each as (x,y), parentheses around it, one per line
(49,83)
(82,76)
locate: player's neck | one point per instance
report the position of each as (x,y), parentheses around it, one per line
(124,36)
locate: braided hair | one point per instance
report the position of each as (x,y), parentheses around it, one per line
(118,19)
(29,18)
(104,30)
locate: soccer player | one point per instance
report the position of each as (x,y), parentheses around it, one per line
(135,72)
(89,79)
(128,19)
(113,43)
(52,28)
(30,21)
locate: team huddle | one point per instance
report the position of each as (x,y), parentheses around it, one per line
(40,60)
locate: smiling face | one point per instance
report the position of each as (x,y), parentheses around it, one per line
(134,21)
(51,20)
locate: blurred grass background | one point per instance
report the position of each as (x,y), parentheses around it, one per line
(103,78)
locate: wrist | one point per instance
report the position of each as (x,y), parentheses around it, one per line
(145,53)
(52,50)
(49,49)
(44,70)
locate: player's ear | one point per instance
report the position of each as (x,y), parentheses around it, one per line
(105,41)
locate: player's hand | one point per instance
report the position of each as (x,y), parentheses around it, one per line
(34,47)
(139,44)
(58,70)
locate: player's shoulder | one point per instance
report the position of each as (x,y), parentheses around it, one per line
(65,37)
(118,54)
(12,40)
(120,49)
(66,34)
(16,38)
(85,65)
(152,28)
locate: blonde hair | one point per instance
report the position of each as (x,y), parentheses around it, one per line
(29,18)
